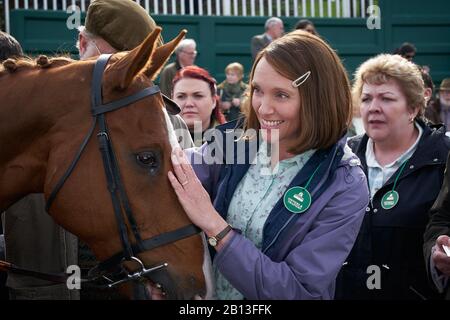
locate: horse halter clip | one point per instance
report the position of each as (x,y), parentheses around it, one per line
(115,186)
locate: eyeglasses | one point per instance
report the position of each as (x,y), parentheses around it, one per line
(190,53)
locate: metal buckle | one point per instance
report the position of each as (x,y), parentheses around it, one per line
(135,275)
(103,133)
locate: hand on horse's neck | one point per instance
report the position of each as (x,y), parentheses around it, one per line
(388,151)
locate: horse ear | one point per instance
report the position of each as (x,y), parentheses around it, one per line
(124,70)
(162,54)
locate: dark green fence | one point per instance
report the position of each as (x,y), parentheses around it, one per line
(222,40)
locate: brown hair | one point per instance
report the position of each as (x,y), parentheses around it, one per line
(385,67)
(326,107)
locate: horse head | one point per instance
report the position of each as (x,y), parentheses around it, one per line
(113,191)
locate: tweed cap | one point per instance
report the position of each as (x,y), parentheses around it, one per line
(122,23)
(445,84)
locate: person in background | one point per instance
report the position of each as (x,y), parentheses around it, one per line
(306,25)
(9,48)
(436,247)
(357,126)
(404,160)
(186,53)
(439,108)
(406,50)
(194,90)
(430,110)
(274,28)
(231,91)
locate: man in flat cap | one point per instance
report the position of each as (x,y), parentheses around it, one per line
(33,240)
(440,107)
(121,25)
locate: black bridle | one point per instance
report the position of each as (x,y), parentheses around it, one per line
(115,186)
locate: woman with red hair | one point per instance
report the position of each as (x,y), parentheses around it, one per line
(195,92)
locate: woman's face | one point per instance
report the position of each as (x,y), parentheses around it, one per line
(385,111)
(196,102)
(277,105)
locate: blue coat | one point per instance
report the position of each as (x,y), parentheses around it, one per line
(302,253)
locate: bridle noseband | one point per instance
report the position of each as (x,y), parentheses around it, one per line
(116,188)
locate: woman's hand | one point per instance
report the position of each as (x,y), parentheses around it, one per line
(193,197)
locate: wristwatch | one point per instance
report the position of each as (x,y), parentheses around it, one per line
(213,241)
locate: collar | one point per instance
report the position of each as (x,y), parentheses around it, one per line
(371,158)
(263,158)
(431,150)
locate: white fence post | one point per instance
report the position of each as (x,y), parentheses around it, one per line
(313,8)
(287,8)
(7,16)
(226,7)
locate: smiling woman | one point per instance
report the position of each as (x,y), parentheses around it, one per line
(294,215)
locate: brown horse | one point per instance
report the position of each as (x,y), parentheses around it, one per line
(46,113)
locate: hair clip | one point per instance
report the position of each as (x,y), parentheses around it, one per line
(300,80)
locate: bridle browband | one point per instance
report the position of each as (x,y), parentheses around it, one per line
(116,188)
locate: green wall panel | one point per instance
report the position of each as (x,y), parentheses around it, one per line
(222,40)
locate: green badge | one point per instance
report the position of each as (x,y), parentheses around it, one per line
(297,199)
(390,200)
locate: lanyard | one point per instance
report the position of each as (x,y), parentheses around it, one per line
(298,199)
(391,198)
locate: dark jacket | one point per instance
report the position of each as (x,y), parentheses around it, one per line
(439,223)
(166,78)
(258,43)
(392,239)
(433,111)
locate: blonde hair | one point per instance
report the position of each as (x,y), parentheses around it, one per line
(236,67)
(385,67)
(326,107)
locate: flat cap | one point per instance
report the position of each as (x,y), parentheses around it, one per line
(124,24)
(445,84)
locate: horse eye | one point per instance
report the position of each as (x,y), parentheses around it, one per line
(148,159)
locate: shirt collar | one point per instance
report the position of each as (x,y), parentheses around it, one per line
(372,161)
(299,160)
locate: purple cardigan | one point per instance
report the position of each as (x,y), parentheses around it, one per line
(307,253)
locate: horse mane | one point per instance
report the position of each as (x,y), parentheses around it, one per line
(26,63)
